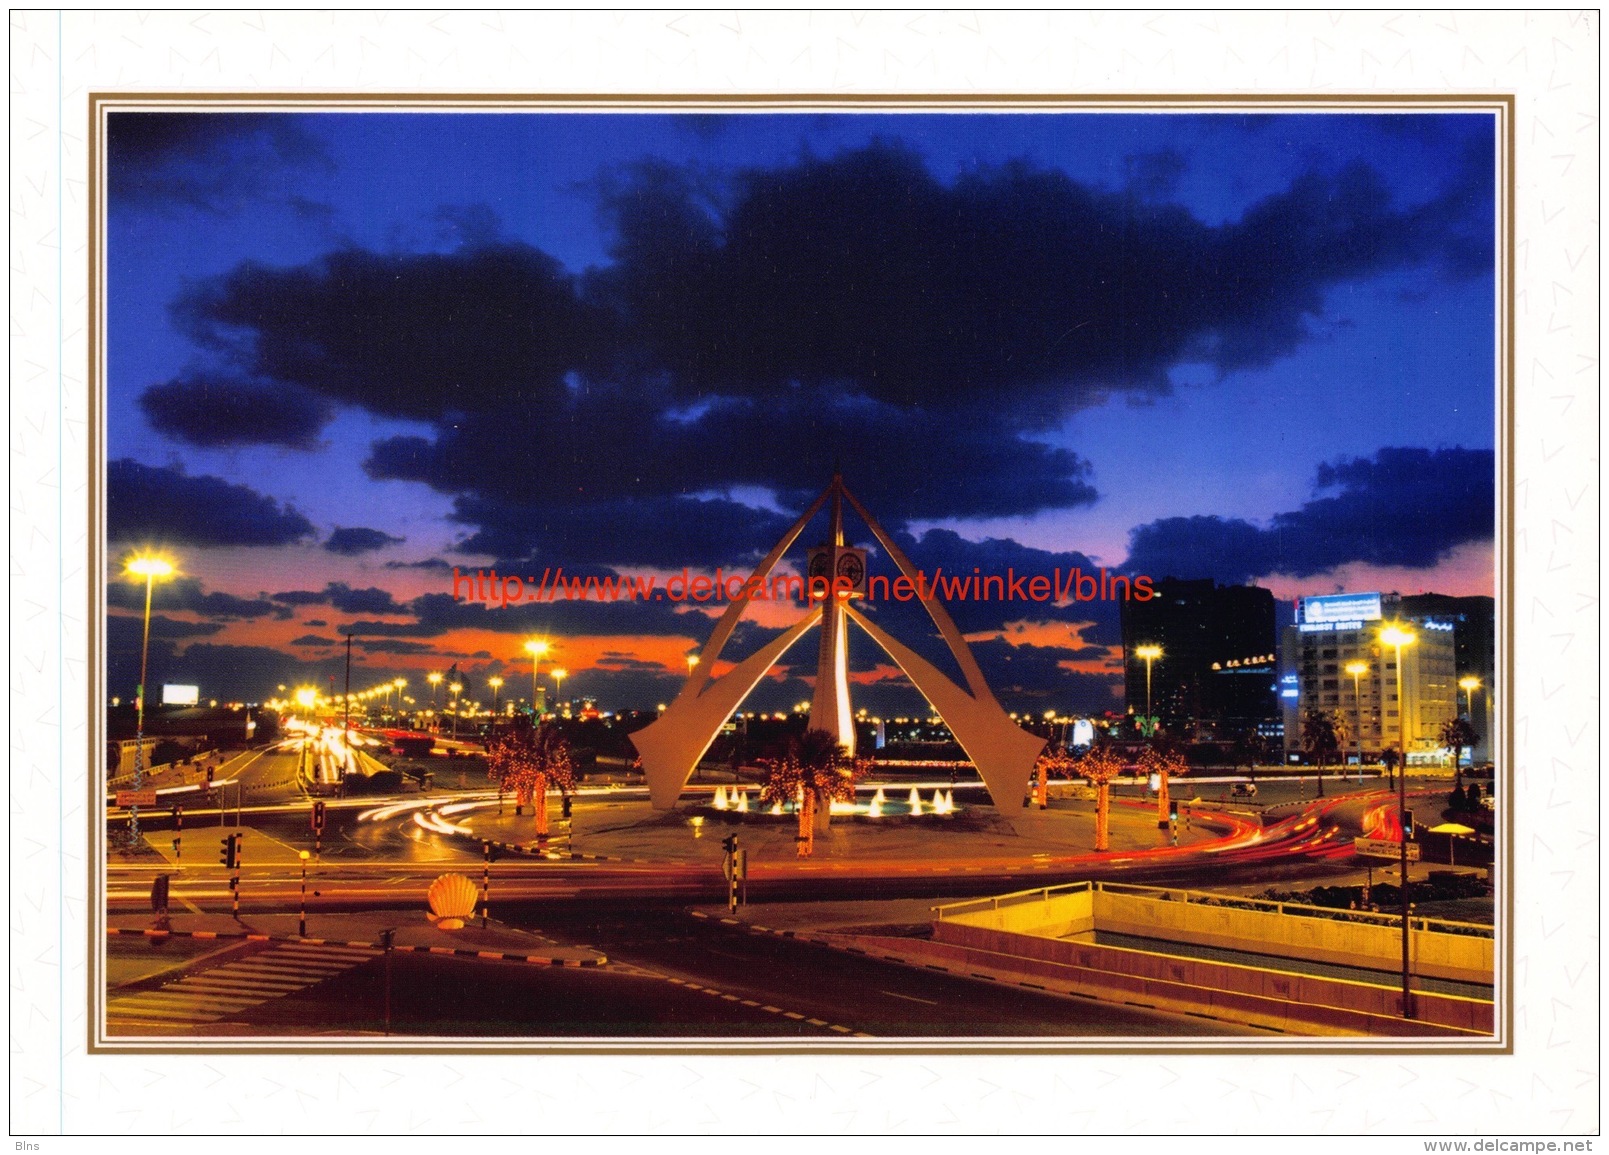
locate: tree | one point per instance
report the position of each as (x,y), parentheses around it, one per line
(530,762)
(1052,762)
(815,770)
(1456,733)
(1098,768)
(1389,758)
(1319,739)
(1162,762)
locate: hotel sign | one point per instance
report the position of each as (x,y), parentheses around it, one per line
(1341,608)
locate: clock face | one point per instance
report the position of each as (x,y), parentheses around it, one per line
(852,569)
(819,563)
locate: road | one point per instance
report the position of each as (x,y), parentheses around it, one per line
(669,977)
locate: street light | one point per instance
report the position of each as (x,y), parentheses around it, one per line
(1357,670)
(1148,654)
(558,684)
(496,684)
(457,688)
(434,679)
(150,567)
(537,648)
(1396,637)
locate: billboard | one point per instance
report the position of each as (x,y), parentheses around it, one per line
(173,695)
(1341,608)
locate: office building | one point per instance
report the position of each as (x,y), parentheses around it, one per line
(1214,679)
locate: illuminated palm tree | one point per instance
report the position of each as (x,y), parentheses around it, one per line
(1098,768)
(815,771)
(530,762)
(1163,763)
(1054,761)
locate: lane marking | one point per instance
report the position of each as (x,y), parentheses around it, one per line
(910,998)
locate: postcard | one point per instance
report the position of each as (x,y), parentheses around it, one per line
(818,580)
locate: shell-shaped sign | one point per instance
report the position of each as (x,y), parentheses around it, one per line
(452,899)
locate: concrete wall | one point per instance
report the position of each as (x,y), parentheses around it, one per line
(1298,1003)
(1048,913)
(1465,958)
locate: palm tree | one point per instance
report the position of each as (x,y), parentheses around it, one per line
(815,771)
(1163,763)
(1319,740)
(1099,767)
(1053,761)
(530,762)
(1456,733)
(1342,726)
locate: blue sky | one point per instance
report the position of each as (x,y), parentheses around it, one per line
(626,339)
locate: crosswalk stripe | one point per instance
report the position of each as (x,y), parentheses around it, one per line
(210,995)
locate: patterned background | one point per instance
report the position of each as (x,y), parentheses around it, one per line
(1550,60)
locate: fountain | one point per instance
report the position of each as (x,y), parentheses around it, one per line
(915,801)
(720,798)
(742,801)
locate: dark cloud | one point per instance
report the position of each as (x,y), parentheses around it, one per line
(353,540)
(416,336)
(186,594)
(437,614)
(434,563)
(214,161)
(1402,507)
(312,640)
(371,600)
(751,333)
(212,410)
(1013,281)
(123,632)
(395,646)
(319,623)
(151,503)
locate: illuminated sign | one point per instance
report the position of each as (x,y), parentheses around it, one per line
(180,695)
(1328,627)
(1083,732)
(1341,607)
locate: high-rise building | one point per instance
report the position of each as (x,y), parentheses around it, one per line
(1333,659)
(1214,678)
(1474,621)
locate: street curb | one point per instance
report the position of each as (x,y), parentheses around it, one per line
(493,955)
(559,855)
(840,943)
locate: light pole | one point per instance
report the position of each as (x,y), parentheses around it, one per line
(457,688)
(537,648)
(434,678)
(1469,685)
(1396,637)
(496,684)
(149,567)
(400,684)
(558,684)
(1148,654)
(302,926)
(1357,670)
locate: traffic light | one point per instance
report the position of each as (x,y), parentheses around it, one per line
(729,844)
(226,851)
(1173,811)
(565,803)
(318,816)
(209,777)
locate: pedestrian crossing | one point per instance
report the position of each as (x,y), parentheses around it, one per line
(222,992)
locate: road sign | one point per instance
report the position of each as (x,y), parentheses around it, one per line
(136,797)
(1384,848)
